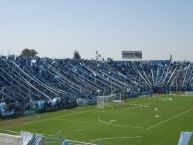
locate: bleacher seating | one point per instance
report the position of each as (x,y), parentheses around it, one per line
(45,84)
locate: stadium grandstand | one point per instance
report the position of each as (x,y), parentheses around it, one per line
(96,72)
(29,85)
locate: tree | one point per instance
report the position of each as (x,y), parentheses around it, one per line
(77,55)
(29,52)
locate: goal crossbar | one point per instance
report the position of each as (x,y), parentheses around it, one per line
(102,101)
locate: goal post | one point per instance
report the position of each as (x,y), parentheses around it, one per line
(103,101)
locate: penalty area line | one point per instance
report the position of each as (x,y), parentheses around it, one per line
(104,123)
(176,116)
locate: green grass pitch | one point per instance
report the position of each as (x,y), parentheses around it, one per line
(154,120)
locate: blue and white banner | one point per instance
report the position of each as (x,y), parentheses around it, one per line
(185,138)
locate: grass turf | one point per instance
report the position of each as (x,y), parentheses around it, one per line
(135,122)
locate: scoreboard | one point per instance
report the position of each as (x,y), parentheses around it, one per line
(131,54)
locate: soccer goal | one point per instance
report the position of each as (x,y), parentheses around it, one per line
(103,101)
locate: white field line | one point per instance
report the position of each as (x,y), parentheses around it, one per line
(135,106)
(71,114)
(71,141)
(165,99)
(115,138)
(80,130)
(52,118)
(105,124)
(125,126)
(101,121)
(80,142)
(122,110)
(75,113)
(164,121)
(140,105)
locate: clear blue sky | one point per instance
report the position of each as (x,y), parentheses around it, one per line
(55,28)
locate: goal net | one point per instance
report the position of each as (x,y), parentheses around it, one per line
(103,101)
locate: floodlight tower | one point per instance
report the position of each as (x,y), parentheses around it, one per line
(171,56)
(97,55)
